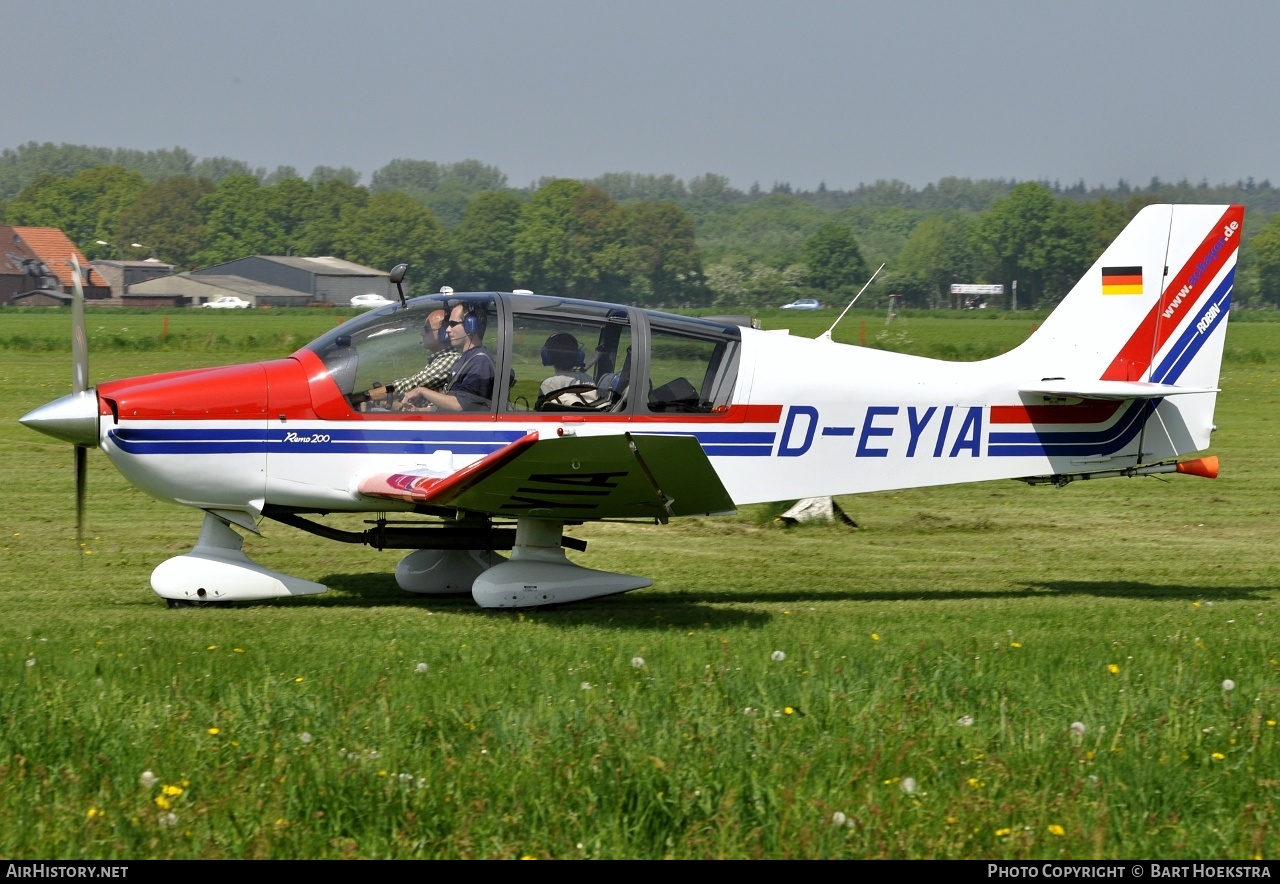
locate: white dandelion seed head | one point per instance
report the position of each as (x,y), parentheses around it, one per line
(909,785)
(838,818)
(148,779)
(31,661)
(420,668)
(1228,684)
(637,662)
(168,820)
(750,710)
(305,737)
(586,686)
(965,721)
(1077,728)
(406,777)
(778,656)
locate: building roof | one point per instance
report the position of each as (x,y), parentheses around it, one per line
(13,251)
(192,285)
(323,266)
(56,249)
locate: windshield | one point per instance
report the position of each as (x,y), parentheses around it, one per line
(379,358)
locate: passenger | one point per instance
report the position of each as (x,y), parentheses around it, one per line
(435,374)
(570,385)
(470,386)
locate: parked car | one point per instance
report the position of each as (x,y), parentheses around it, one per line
(802,304)
(227,302)
(368,302)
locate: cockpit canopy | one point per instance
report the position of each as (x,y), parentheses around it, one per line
(555,354)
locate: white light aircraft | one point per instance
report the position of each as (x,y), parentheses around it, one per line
(647,416)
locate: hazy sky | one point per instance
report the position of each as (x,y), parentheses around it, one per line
(804,91)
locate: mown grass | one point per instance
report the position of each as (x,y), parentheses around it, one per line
(932,665)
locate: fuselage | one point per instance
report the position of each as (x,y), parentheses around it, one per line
(780,417)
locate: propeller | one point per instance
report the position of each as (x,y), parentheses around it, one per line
(79,383)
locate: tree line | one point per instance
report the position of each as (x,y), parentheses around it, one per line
(652,240)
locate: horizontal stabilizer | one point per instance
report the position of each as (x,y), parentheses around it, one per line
(1110,389)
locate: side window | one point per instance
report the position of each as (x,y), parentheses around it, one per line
(568,363)
(690,373)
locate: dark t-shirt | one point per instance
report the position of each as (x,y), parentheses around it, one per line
(472,380)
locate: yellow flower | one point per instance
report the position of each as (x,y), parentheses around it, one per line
(1113,668)
(1015,644)
(162,802)
(212,648)
(1218,756)
(875,637)
(789,711)
(214,731)
(1055,829)
(171,791)
(976,783)
(1003,833)
(1271,722)
(298,679)
(93,811)
(239,650)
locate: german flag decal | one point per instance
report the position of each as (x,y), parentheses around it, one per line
(1122,280)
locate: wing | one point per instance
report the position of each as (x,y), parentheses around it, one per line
(574,478)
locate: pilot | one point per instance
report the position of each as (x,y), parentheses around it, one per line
(435,374)
(470,385)
(565,387)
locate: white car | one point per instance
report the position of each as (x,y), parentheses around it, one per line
(802,304)
(227,302)
(368,302)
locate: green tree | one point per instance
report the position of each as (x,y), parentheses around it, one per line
(599,241)
(325,174)
(1012,236)
(391,227)
(665,255)
(833,259)
(321,221)
(545,258)
(86,206)
(217,168)
(167,218)
(240,221)
(1264,255)
(938,253)
(484,243)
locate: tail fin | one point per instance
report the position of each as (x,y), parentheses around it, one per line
(1146,323)
(1153,308)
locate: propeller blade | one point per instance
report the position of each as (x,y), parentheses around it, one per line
(79,382)
(79,333)
(82,463)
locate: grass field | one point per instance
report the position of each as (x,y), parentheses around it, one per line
(988,670)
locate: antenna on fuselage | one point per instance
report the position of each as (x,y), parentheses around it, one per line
(826,335)
(397,276)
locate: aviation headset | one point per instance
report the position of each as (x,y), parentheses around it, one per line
(473,320)
(562,344)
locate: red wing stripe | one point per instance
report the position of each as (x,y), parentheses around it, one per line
(430,489)
(1134,358)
